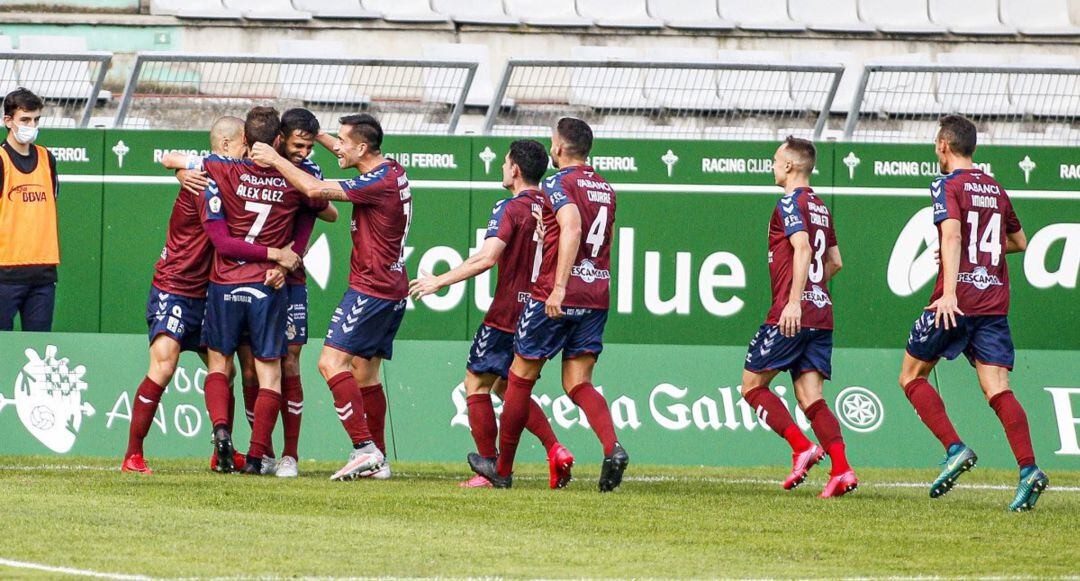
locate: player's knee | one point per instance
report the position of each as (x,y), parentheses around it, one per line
(162,368)
(290,366)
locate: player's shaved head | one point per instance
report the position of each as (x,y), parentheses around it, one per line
(801,153)
(226,128)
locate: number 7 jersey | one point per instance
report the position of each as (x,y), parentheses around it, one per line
(590,275)
(801,211)
(986,219)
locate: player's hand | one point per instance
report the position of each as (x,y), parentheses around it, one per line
(285,257)
(264,155)
(945,311)
(541,229)
(193,181)
(275,279)
(791,320)
(553,306)
(424,285)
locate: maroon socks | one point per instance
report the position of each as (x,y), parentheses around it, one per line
(143,409)
(292,409)
(216,391)
(596,410)
(827,430)
(515,414)
(771,409)
(267,408)
(1014,420)
(931,410)
(349,405)
(375,410)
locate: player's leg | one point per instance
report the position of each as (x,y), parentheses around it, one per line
(249,380)
(367,375)
(292,409)
(164,355)
(222,327)
(482,423)
(809,388)
(11,300)
(266,324)
(516,408)
(560,459)
(36,311)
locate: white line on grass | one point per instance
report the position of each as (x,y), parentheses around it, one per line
(67,570)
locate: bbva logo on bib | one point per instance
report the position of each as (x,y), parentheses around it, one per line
(48,399)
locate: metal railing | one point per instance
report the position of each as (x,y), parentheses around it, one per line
(1009,104)
(661,99)
(70,83)
(181,90)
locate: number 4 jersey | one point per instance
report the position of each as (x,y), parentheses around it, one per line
(986,218)
(801,211)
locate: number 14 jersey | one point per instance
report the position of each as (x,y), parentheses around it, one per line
(801,211)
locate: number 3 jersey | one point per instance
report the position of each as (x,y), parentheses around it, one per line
(590,275)
(382,213)
(801,211)
(986,218)
(258,205)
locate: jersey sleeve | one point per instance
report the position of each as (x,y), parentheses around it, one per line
(1012,221)
(946,205)
(830,237)
(790,216)
(499,225)
(366,189)
(214,209)
(312,168)
(315,206)
(555,190)
(195,162)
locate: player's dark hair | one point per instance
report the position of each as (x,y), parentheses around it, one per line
(299,119)
(21,98)
(364,128)
(576,135)
(261,125)
(960,133)
(803,149)
(531,157)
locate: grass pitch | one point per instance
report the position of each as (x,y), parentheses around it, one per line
(185,521)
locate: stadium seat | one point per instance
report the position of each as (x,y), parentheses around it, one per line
(1047,95)
(8,80)
(482,91)
(901,93)
(612,88)
(57,79)
(686,89)
(974,94)
(316,83)
(618,13)
(763,15)
(336,9)
(59,122)
(752,90)
(849,82)
(739,134)
(689,14)
(900,16)
(414,11)
(475,12)
(547,13)
(206,9)
(1039,17)
(971,17)
(281,10)
(830,16)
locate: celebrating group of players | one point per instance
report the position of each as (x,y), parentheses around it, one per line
(231,281)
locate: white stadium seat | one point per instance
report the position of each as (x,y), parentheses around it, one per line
(686,89)
(829,16)
(764,15)
(849,82)
(689,14)
(57,79)
(983,94)
(900,16)
(335,9)
(208,9)
(414,11)
(553,13)
(281,10)
(739,133)
(316,83)
(1057,95)
(756,90)
(970,17)
(621,88)
(1039,17)
(482,91)
(8,81)
(915,91)
(618,13)
(475,12)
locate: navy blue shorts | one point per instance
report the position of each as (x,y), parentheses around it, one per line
(983,338)
(232,309)
(177,316)
(808,350)
(365,326)
(492,352)
(580,331)
(296,321)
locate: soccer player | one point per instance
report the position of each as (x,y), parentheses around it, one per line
(259,205)
(511,242)
(797,333)
(575,274)
(968,312)
(174,309)
(366,321)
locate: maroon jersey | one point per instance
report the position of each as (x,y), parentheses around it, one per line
(801,211)
(258,205)
(513,223)
(986,218)
(299,276)
(184,266)
(382,213)
(590,277)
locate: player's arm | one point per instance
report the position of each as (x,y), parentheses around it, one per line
(1015,242)
(480,262)
(791,317)
(946,307)
(326,140)
(330,214)
(189,171)
(833,263)
(569,220)
(309,185)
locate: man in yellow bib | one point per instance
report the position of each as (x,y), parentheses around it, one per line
(29,248)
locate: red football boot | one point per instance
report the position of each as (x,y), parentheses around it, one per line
(560,461)
(475,482)
(135,463)
(801,463)
(840,485)
(238,459)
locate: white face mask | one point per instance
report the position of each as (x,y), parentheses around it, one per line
(25,135)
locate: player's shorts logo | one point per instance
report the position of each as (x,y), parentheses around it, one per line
(979,278)
(290,331)
(48,399)
(860,409)
(588,272)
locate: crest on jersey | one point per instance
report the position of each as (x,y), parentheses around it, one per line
(979,278)
(48,399)
(588,272)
